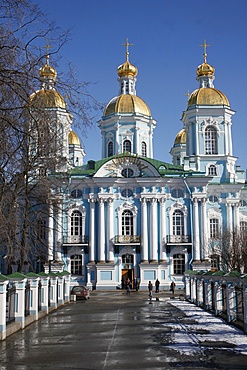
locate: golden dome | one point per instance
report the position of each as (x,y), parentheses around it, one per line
(127,103)
(181,137)
(127,69)
(47,99)
(73,139)
(47,71)
(205,69)
(207,96)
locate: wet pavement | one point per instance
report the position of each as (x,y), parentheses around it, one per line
(115,331)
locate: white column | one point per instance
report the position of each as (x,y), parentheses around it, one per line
(229,217)
(34,293)
(20,287)
(153,230)
(137,142)
(92,231)
(101,242)
(110,226)
(204,232)
(144,231)
(59,241)
(162,229)
(50,232)
(236,216)
(103,143)
(151,141)
(53,291)
(196,246)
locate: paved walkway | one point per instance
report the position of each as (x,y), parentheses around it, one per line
(116,331)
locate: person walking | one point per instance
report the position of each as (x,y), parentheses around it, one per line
(172,287)
(157,286)
(150,290)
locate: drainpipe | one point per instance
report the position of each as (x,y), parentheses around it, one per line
(191,220)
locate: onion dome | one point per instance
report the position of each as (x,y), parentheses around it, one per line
(180,138)
(208,96)
(47,99)
(127,103)
(73,139)
(205,69)
(48,71)
(47,96)
(127,69)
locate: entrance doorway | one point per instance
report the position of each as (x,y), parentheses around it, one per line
(127,274)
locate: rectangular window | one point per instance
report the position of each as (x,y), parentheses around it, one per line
(214,228)
(41,230)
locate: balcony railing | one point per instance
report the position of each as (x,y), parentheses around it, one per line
(178,239)
(127,239)
(75,239)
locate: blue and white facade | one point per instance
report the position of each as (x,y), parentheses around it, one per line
(128,215)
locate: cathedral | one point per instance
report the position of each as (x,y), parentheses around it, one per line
(128,215)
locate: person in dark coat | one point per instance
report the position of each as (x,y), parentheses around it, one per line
(172,287)
(157,286)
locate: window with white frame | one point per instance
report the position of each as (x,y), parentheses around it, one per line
(178,264)
(144,149)
(76,264)
(212,170)
(41,230)
(126,146)
(211,140)
(127,223)
(243,225)
(215,261)
(178,222)
(110,149)
(76,223)
(214,228)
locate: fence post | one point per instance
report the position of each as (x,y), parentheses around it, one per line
(3,293)
(33,280)
(53,290)
(19,281)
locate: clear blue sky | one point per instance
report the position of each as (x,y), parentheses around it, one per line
(166,35)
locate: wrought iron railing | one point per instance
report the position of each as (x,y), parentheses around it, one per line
(127,239)
(75,239)
(176,239)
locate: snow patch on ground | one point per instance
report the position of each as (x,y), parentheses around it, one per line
(187,340)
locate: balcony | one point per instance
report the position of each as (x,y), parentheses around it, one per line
(178,239)
(127,239)
(75,239)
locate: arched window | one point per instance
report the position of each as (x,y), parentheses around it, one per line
(178,223)
(212,170)
(76,223)
(144,149)
(178,264)
(76,264)
(211,141)
(110,149)
(126,146)
(127,223)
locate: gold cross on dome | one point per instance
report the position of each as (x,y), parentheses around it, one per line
(127,44)
(47,56)
(188,94)
(204,45)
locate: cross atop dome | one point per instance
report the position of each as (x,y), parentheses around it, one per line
(127,44)
(204,45)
